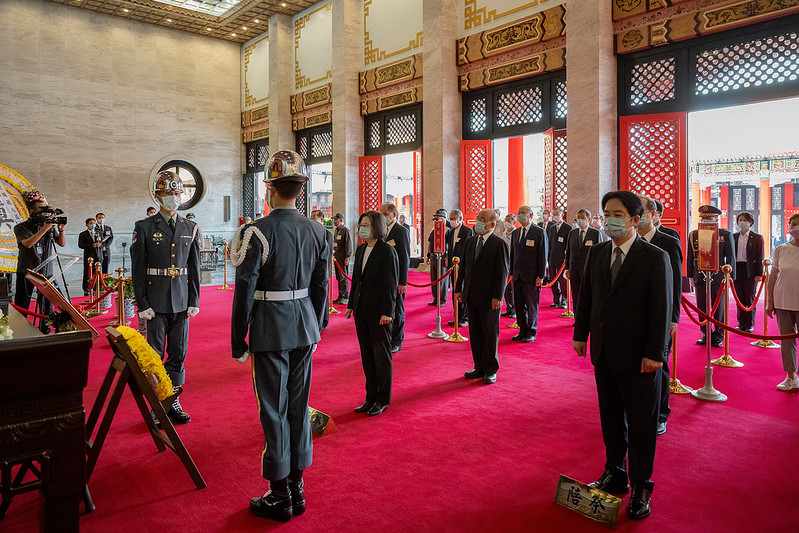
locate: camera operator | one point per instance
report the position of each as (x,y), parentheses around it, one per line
(34,239)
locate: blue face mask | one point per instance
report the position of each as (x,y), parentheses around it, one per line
(364,233)
(480,227)
(615,227)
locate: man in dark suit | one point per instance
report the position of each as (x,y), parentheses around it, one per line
(545,220)
(400,238)
(528,264)
(433,261)
(106,239)
(89,242)
(558,234)
(342,250)
(403,223)
(165,266)
(749,268)
(485,272)
(625,306)
(580,240)
(670,245)
(282,270)
(660,227)
(456,247)
(697,279)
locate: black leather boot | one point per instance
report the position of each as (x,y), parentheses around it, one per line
(275,504)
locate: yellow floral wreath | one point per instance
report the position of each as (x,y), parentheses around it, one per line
(149,362)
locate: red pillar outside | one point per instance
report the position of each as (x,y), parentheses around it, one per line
(517,190)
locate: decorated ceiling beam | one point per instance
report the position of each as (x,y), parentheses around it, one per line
(312,108)
(394,85)
(255,124)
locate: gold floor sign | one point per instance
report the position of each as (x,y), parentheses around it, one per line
(593,503)
(321,423)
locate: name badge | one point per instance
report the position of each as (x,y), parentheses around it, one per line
(530,242)
(338,237)
(560,239)
(457,239)
(589,243)
(108,232)
(391,242)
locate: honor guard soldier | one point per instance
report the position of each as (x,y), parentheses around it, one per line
(165,263)
(726,257)
(282,269)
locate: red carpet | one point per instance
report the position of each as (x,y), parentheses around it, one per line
(449,454)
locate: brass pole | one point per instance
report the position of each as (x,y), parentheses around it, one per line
(726,359)
(568,313)
(455,337)
(225,286)
(332,310)
(675,387)
(120,321)
(765,343)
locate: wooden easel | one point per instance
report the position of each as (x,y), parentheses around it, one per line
(130,375)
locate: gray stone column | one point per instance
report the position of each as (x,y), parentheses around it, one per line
(441,110)
(281,80)
(592,119)
(348,143)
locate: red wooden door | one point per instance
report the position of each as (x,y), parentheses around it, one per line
(559,171)
(476,179)
(371,181)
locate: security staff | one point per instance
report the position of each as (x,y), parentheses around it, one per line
(400,239)
(35,239)
(558,235)
(710,213)
(165,264)
(282,270)
(89,242)
(342,250)
(106,238)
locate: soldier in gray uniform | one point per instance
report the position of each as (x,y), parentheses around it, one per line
(282,270)
(165,263)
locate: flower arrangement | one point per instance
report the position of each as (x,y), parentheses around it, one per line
(111,281)
(61,322)
(149,362)
(6,333)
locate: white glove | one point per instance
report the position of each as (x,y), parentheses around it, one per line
(243,358)
(192,311)
(147,314)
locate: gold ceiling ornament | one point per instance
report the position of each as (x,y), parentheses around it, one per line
(12,211)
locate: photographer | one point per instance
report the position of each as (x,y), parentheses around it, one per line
(35,238)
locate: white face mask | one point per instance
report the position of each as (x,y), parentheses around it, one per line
(583,223)
(101,221)
(744,226)
(171,202)
(556,219)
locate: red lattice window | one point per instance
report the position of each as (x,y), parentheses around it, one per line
(549,169)
(653,81)
(476,178)
(559,160)
(371,181)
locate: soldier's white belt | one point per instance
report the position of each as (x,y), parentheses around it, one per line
(277,296)
(171,272)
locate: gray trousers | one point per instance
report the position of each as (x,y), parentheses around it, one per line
(170,331)
(282,383)
(787,322)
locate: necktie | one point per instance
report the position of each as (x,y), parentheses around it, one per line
(172,224)
(616,266)
(582,236)
(524,238)
(479,247)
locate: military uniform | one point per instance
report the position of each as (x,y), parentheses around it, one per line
(726,257)
(166,278)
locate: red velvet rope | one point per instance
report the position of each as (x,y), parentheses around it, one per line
(754,304)
(86,305)
(341,270)
(439,280)
(688,306)
(715,305)
(26,312)
(551,283)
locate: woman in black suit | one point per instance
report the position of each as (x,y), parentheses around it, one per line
(372,296)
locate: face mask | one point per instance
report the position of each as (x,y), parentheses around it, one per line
(454,223)
(556,219)
(101,221)
(794,232)
(615,227)
(91,227)
(582,223)
(744,226)
(545,217)
(336,223)
(364,233)
(644,222)
(171,202)
(480,227)
(508,226)
(387,220)
(522,218)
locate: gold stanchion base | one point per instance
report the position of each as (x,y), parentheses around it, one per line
(566,314)
(675,387)
(727,361)
(515,325)
(92,314)
(116,323)
(765,343)
(102,312)
(224,287)
(456,337)
(333,311)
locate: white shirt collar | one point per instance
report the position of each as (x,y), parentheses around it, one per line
(625,248)
(650,234)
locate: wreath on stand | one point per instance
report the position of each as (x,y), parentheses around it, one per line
(149,362)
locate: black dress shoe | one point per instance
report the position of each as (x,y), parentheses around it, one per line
(638,508)
(529,338)
(376,409)
(473,374)
(178,415)
(463,324)
(702,341)
(432,303)
(554,304)
(611,484)
(512,315)
(509,312)
(451,323)
(517,337)
(396,348)
(661,428)
(297,491)
(750,330)
(489,379)
(716,343)
(273,505)
(365,406)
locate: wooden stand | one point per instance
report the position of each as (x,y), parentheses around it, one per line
(130,375)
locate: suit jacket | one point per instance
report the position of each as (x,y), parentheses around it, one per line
(754,254)
(374,291)
(457,249)
(155,246)
(342,247)
(577,251)
(528,260)
(298,257)
(629,320)
(400,239)
(107,237)
(86,240)
(672,247)
(726,254)
(671,232)
(557,244)
(485,276)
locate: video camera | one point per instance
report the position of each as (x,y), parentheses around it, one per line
(49,215)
